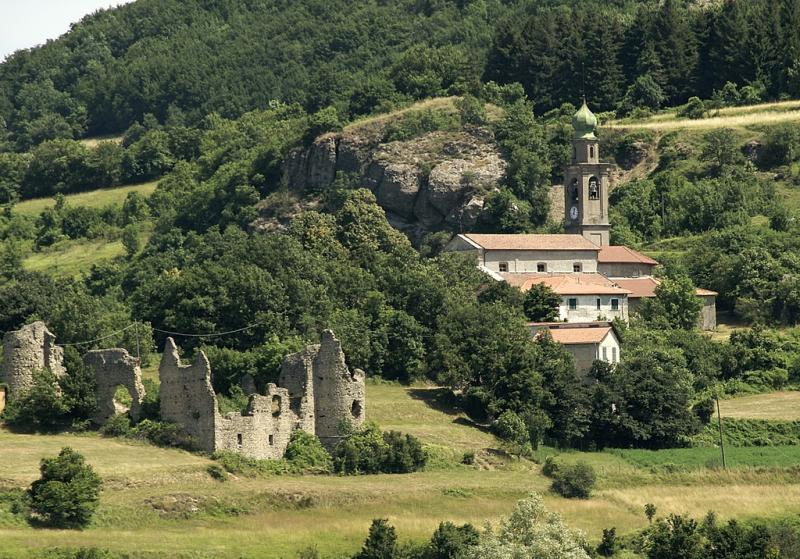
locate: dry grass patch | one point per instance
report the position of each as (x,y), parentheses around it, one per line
(92,199)
(780,406)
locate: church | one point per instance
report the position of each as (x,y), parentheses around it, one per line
(597,282)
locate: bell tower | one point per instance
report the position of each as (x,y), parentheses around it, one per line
(586,182)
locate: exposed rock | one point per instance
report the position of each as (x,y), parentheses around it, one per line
(398,189)
(424,183)
(27,350)
(114,367)
(634,153)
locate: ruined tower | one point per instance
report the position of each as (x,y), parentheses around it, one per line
(586,182)
(27,350)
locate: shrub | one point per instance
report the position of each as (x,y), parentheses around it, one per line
(306,453)
(67,494)
(370,452)
(217,472)
(469,458)
(41,408)
(575,481)
(162,434)
(550,467)
(471,110)
(117,426)
(381,543)
(450,541)
(608,545)
(694,109)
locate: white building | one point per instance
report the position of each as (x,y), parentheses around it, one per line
(587,342)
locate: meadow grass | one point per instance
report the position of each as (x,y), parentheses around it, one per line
(71,258)
(777,406)
(92,199)
(706,457)
(162,503)
(729,117)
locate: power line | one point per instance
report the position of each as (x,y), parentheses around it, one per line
(111,335)
(211,335)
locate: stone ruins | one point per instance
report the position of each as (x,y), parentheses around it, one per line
(317,392)
(112,368)
(27,350)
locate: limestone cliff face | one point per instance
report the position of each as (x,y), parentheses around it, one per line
(432,182)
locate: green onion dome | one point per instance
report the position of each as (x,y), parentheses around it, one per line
(584,123)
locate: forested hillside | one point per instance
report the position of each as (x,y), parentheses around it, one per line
(181,60)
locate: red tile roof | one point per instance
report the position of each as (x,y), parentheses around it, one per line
(622,255)
(567,284)
(646,287)
(531,242)
(575,336)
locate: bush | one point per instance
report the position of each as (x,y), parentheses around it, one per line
(117,426)
(162,434)
(450,541)
(575,481)
(550,467)
(381,543)
(306,453)
(608,545)
(694,109)
(471,110)
(370,452)
(217,472)
(468,459)
(67,494)
(39,409)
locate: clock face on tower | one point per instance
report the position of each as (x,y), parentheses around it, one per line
(573,213)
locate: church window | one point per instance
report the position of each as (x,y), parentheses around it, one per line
(577,267)
(503,266)
(591,152)
(614,304)
(541,267)
(573,304)
(594,188)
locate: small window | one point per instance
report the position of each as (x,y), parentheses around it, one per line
(503,266)
(605,354)
(577,267)
(614,304)
(271,440)
(598,303)
(591,152)
(239,440)
(613,355)
(573,304)
(541,267)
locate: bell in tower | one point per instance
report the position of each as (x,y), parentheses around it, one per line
(586,182)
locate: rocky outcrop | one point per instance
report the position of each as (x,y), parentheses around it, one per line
(113,368)
(436,181)
(27,350)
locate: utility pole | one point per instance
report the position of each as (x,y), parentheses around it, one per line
(719,426)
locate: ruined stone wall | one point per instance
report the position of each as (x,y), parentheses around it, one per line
(114,367)
(263,431)
(29,349)
(2,398)
(338,392)
(297,376)
(187,396)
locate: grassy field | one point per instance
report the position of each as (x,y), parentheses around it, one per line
(702,458)
(162,503)
(730,117)
(73,258)
(778,406)
(92,199)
